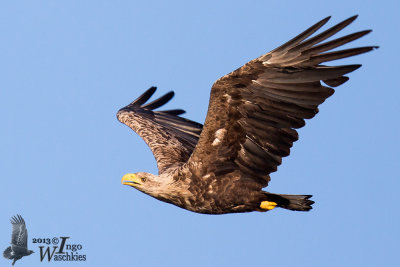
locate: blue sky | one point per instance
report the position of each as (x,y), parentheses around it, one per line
(68,66)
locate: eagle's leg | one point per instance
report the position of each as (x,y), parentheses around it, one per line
(267,205)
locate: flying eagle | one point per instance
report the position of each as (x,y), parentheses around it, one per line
(19,240)
(251,124)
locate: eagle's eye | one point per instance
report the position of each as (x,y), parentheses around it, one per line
(144,179)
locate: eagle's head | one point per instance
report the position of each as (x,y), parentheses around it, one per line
(146,182)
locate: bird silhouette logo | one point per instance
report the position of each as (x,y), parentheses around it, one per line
(19,240)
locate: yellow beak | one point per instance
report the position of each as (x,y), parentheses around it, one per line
(130,179)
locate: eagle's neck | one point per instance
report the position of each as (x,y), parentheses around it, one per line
(170,189)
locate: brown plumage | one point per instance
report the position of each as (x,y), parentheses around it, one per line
(221,167)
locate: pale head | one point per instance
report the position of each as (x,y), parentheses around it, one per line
(148,183)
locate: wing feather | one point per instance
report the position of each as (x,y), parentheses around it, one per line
(171,138)
(160,101)
(144,97)
(258,106)
(296,40)
(323,36)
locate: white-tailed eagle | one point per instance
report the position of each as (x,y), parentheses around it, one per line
(251,124)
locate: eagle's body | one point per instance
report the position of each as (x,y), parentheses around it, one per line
(206,194)
(221,167)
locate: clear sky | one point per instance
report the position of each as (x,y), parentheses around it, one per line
(66,67)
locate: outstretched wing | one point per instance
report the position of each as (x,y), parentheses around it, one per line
(171,138)
(19,235)
(254,111)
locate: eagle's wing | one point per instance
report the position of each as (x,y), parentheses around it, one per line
(254,111)
(171,138)
(19,235)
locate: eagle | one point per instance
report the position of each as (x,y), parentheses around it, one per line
(19,240)
(222,166)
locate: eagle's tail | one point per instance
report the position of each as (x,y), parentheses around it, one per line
(7,253)
(290,202)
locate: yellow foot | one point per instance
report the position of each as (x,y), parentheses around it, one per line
(267,205)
